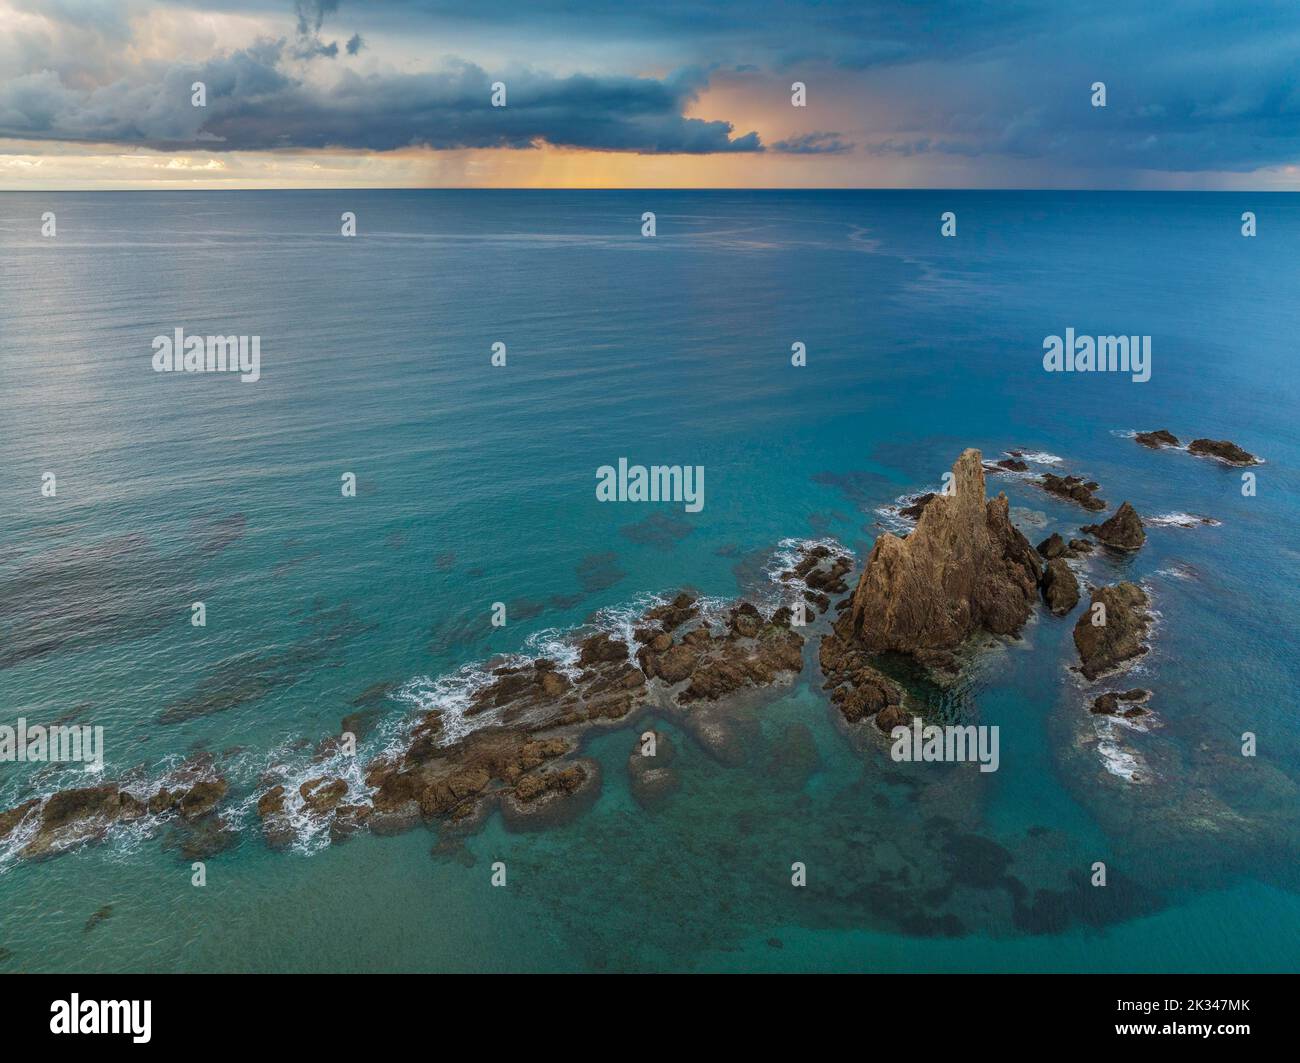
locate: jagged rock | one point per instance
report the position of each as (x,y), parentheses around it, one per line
(70,817)
(1223,450)
(1052,546)
(1073,488)
(321,796)
(1079,547)
(202,798)
(963,569)
(914,511)
(1060,588)
(1161,437)
(1104,647)
(546,798)
(892,716)
(1123,531)
(673,615)
(857,688)
(1108,704)
(601,649)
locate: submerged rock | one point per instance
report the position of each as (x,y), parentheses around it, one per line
(652,778)
(964,569)
(1222,449)
(1123,531)
(1105,646)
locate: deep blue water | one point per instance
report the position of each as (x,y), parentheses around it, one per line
(476,485)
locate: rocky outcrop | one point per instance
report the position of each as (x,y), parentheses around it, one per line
(70,818)
(1123,531)
(964,569)
(551,797)
(1127,703)
(1161,437)
(1052,547)
(1112,636)
(1223,450)
(1073,489)
(1055,546)
(1059,586)
(857,688)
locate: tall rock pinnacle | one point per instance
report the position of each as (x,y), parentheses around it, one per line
(965,568)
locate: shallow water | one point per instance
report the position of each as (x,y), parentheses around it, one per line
(476,486)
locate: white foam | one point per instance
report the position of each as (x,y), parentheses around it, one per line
(1181,520)
(788,553)
(451,694)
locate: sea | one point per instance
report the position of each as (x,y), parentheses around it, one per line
(129,495)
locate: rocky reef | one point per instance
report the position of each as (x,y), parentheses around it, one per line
(1073,489)
(1055,546)
(1220,449)
(1108,704)
(70,818)
(1161,437)
(964,569)
(1110,637)
(1123,531)
(1223,450)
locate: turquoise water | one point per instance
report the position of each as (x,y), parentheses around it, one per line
(475,485)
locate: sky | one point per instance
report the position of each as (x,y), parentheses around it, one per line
(1200,94)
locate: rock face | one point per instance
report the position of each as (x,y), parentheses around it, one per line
(965,568)
(1223,450)
(1123,531)
(1073,488)
(1051,547)
(1104,647)
(1161,437)
(1060,588)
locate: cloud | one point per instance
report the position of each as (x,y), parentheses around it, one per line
(954,86)
(813,144)
(311,14)
(268,96)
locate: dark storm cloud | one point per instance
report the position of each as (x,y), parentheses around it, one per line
(1193,85)
(256,102)
(813,144)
